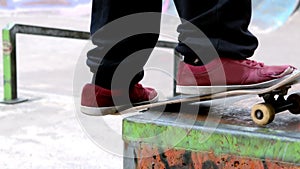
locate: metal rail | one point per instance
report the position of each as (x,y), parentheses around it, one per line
(10,59)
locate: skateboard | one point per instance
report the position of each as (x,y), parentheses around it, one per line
(262,113)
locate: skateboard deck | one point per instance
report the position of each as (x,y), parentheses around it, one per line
(262,114)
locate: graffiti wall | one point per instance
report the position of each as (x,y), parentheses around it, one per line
(18,4)
(154,157)
(56,7)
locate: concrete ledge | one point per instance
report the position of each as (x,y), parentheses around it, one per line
(152,136)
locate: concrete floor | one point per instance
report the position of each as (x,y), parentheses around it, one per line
(48,131)
(45,131)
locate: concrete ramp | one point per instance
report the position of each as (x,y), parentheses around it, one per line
(268,15)
(61,7)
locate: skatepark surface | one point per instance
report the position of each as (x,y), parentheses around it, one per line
(47,131)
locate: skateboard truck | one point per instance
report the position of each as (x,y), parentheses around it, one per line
(275,102)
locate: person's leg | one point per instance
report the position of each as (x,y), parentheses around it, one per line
(112,50)
(225,24)
(124,37)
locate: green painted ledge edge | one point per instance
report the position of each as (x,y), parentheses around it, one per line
(262,145)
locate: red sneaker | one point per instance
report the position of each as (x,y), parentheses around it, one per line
(96,100)
(227,74)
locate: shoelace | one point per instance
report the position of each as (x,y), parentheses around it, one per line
(252,62)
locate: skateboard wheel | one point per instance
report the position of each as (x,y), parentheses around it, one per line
(295,100)
(263,114)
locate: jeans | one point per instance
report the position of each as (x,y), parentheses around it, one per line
(223,22)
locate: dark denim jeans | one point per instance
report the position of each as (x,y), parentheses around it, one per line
(223,22)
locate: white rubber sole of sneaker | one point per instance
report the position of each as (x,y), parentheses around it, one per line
(206,90)
(102,111)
